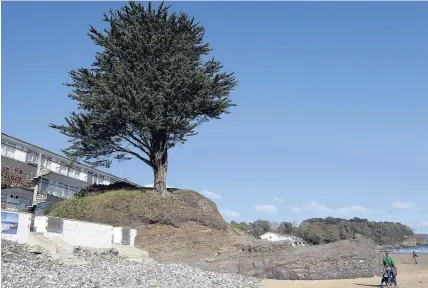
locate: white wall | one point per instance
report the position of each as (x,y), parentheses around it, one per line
(117,235)
(76,233)
(23,230)
(40,224)
(276,237)
(20,155)
(133,235)
(83,176)
(54,167)
(85,234)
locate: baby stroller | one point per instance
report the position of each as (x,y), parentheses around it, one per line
(385,279)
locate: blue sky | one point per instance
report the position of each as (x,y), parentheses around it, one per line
(332,104)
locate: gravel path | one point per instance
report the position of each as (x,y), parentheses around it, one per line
(21,268)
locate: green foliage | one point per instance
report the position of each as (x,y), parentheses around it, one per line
(259,227)
(148,89)
(311,233)
(321,231)
(285,228)
(48,208)
(96,189)
(240,226)
(318,230)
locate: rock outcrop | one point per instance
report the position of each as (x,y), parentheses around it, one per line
(218,251)
(353,258)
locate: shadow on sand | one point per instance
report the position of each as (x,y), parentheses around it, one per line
(367,285)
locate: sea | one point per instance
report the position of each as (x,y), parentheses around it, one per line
(417,249)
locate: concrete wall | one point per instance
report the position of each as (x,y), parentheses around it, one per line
(133,236)
(117,235)
(23,231)
(76,233)
(40,224)
(87,234)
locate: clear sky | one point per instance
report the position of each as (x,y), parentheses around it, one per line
(332,104)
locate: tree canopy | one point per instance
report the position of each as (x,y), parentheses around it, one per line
(328,230)
(148,89)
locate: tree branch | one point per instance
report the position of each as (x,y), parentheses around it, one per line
(124,150)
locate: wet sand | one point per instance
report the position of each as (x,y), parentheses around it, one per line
(409,275)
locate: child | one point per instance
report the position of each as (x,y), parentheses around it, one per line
(415,256)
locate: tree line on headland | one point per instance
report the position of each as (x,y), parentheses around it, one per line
(322,231)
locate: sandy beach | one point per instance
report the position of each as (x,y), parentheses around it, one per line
(409,276)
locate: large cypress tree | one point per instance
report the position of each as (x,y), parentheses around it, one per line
(147,90)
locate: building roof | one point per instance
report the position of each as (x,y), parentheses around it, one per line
(65,158)
(272,233)
(276,234)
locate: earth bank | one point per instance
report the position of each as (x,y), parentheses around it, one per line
(188,228)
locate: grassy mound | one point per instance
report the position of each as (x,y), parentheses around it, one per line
(133,208)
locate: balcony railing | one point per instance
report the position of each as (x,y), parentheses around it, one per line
(13,152)
(29,156)
(57,191)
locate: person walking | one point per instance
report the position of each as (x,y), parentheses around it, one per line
(391,269)
(415,256)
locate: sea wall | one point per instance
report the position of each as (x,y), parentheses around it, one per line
(85,234)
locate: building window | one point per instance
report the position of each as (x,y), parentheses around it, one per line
(44,184)
(32,156)
(62,185)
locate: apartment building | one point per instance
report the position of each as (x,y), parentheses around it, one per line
(52,174)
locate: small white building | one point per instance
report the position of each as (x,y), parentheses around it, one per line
(295,241)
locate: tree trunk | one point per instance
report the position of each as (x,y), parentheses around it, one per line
(159,185)
(160,168)
(159,162)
